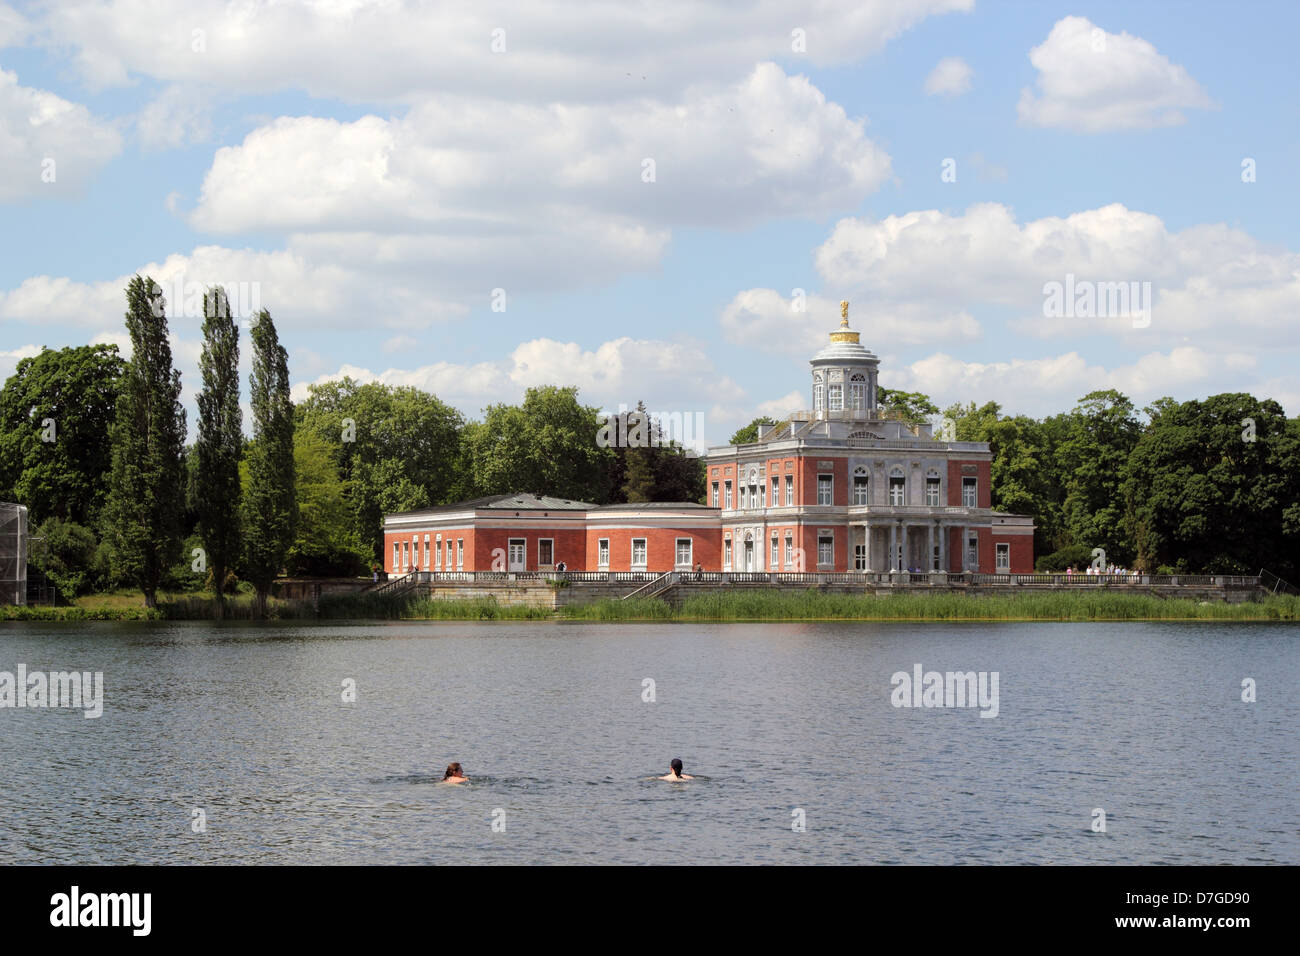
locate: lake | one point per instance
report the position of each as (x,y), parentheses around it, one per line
(783,724)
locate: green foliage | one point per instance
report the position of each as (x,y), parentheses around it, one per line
(394,449)
(1077,556)
(270,504)
(220,443)
(749,433)
(545,446)
(70,395)
(913,407)
(326,542)
(1204,492)
(65,554)
(146,488)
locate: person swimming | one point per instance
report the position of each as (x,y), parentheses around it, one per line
(677,774)
(454,774)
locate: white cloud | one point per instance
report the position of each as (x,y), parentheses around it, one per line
(1092,81)
(13,27)
(1210,281)
(179,116)
(398,343)
(48,145)
(1046,385)
(951,77)
(768,320)
(553,50)
(9,359)
(768,146)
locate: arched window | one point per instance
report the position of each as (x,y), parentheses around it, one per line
(858,392)
(897,486)
(860,490)
(819,401)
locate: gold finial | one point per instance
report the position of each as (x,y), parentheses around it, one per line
(844,313)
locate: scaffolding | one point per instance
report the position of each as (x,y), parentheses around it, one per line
(13,553)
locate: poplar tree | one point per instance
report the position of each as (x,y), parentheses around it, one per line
(220,442)
(146,484)
(270,505)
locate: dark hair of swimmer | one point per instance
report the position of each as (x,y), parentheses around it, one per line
(453,770)
(677,766)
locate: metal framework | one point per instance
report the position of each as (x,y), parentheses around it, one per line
(13,553)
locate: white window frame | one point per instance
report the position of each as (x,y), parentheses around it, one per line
(862,482)
(726,554)
(933,485)
(897,483)
(826,482)
(715,494)
(776,553)
(427,566)
(789,490)
(1002,550)
(437,552)
(970,500)
(690,552)
(397,555)
(830,561)
(645,554)
(835,397)
(726,496)
(602,553)
(460,554)
(789,553)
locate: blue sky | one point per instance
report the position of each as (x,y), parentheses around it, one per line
(374,172)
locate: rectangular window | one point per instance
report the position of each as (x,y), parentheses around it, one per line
(836,395)
(932,492)
(460,554)
(448,563)
(744,497)
(683,552)
(726,555)
(638,554)
(1004,558)
(545,551)
(406,555)
(825,551)
(968,486)
(776,554)
(437,552)
(776,492)
(789,489)
(602,551)
(715,494)
(860,557)
(426,552)
(824,489)
(897,490)
(726,497)
(789,553)
(397,556)
(415,550)
(936,559)
(859,489)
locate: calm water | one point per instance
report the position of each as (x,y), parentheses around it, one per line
(1142,720)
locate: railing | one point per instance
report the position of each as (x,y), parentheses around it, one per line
(1275,585)
(395,586)
(657,586)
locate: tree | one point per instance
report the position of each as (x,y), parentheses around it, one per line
(912,407)
(326,543)
(1100,433)
(638,456)
(546,446)
(270,505)
(1212,485)
(65,555)
(749,434)
(220,443)
(55,411)
(146,485)
(395,449)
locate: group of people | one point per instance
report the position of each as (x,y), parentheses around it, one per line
(1113,570)
(454,773)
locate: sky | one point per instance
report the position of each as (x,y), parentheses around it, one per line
(666,202)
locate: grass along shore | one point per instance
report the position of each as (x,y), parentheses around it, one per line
(747,605)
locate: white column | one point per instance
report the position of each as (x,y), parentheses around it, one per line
(929,548)
(893,546)
(964,533)
(903,564)
(866,543)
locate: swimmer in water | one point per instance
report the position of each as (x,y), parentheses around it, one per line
(454,774)
(677,771)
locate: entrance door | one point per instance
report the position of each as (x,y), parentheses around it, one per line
(973,554)
(860,557)
(516,555)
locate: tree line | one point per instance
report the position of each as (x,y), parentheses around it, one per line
(95,446)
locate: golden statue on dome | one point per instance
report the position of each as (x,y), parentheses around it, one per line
(844,313)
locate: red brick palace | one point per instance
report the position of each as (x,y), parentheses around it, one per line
(841,486)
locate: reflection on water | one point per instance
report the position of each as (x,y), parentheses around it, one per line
(248,725)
